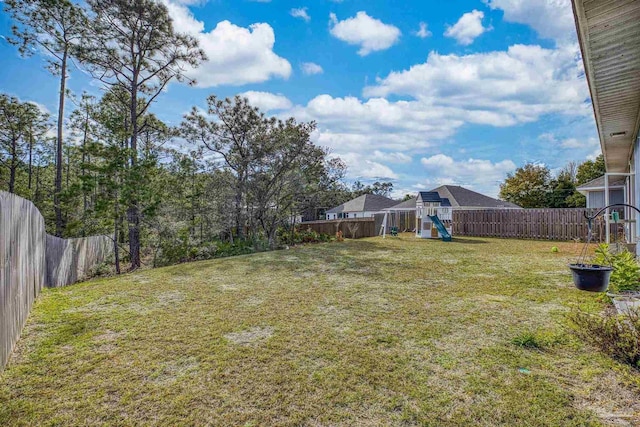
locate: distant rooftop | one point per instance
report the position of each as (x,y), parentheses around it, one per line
(598,183)
(406,205)
(365,203)
(461,197)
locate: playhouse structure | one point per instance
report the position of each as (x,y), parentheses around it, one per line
(433,216)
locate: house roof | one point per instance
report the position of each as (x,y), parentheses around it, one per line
(406,205)
(608,37)
(463,197)
(598,184)
(411,203)
(365,203)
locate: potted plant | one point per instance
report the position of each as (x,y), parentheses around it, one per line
(591,277)
(624,289)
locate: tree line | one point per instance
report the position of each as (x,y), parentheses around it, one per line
(110,166)
(534,186)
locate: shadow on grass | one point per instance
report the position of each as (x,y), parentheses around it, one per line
(469,241)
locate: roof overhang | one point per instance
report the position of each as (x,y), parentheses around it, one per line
(585,190)
(609,36)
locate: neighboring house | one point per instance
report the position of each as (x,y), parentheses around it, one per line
(594,192)
(464,199)
(607,33)
(407,205)
(365,206)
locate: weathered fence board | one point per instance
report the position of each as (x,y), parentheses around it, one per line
(71,260)
(30,259)
(353,228)
(543,224)
(22,266)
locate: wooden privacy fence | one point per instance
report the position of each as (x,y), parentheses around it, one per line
(22,266)
(544,224)
(353,228)
(30,259)
(71,260)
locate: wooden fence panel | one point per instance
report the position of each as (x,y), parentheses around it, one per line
(71,260)
(353,228)
(31,259)
(22,266)
(543,224)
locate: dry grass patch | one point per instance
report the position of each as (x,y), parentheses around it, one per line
(370,332)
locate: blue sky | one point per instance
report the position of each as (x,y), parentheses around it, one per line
(422,92)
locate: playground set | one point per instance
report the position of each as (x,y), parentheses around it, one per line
(433,217)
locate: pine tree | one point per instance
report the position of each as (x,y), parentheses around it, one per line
(57,27)
(133,47)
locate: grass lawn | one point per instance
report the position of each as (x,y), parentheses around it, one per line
(362,333)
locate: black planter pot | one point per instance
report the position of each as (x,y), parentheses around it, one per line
(591,278)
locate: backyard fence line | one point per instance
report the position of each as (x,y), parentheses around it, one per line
(353,228)
(542,224)
(71,260)
(22,266)
(30,259)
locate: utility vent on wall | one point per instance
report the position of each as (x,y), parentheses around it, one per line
(617,134)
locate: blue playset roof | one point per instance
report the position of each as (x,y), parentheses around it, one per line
(433,196)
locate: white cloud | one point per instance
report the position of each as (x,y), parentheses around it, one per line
(350,124)
(597,152)
(423,32)
(588,143)
(236,55)
(359,167)
(391,157)
(497,88)
(300,13)
(310,68)
(481,175)
(468,28)
(267,101)
(551,19)
(369,33)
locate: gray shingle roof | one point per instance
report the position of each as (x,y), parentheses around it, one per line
(365,203)
(462,197)
(407,204)
(599,183)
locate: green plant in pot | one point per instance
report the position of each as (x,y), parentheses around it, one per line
(625,276)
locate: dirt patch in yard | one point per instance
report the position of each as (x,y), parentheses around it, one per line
(250,336)
(170,371)
(614,404)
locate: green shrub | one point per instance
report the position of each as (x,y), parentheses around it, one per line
(301,236)
(626,271)
(616,335)
(538,339)
(527,340)
(102,269)
(180,249)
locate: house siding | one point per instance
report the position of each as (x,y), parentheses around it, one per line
(351,215)
(635,166)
